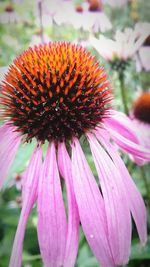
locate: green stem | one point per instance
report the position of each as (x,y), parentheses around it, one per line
(41,21)
(130,166)
(123,93)
(146,183)
(31,258)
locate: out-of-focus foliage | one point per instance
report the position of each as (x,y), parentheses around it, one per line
(19,29)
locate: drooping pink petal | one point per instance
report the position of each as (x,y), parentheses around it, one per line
(134,149)
(9,143)
(91,207)
(136,203)
(52,226)
(116,204)
(64,163)
(121,122)
(30,194)
(143,134)
(123,133)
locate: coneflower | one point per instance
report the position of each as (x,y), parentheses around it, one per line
(86,16)
(56,93)
(9,15)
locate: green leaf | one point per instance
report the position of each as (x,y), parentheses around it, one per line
(140,253)
(29,258)
(23,155)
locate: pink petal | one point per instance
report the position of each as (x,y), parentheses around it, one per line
(135,200)
(30,195)
(52,226)
(9,143)
(91,207)
(123,133)
(130,147)
(64,163)
(118,120)
(116,204)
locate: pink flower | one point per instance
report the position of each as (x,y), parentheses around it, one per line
(125,44)
(56,93)
(128,131)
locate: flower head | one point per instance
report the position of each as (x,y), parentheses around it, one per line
(83,17)
(9,8)
(140,117)
(9,15)
(79,8)
(60,92)
(141,108)
(95,5)
(55,93)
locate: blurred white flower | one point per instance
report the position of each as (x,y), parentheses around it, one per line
(50,7)
(143,56)
(47,20)
(143,59)
(10,41)
(124,45)
(9,15)
(142,27)
(48,10)
(66,14)
(99,21)
(85,19)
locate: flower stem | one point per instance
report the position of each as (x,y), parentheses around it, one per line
(146,183)
(123,93)
(41,21)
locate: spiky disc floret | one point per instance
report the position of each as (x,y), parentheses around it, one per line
(54,92)
(141,107)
